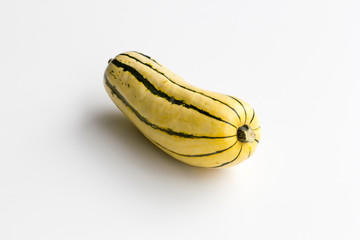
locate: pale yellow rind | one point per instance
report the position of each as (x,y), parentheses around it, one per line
(202,152)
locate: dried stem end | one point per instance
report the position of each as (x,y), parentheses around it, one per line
(245,134)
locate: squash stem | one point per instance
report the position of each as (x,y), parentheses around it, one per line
(245,134)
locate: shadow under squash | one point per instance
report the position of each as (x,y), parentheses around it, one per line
(118,136)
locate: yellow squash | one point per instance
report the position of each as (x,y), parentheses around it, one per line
(195,126)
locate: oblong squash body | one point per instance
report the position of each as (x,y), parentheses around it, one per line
(195,126)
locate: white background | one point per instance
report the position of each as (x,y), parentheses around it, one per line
(73,167)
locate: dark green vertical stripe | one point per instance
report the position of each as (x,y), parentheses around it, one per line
(224,164)
(252,116)
(195,155)
(241,105)
(249,153)
(148,57)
